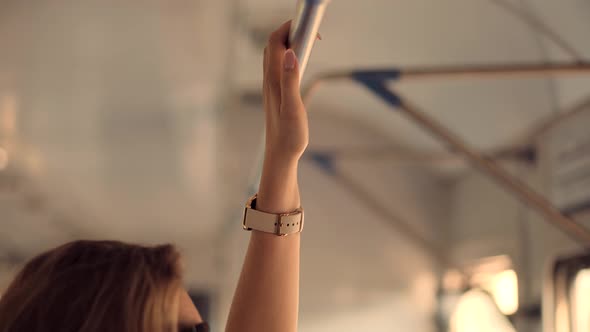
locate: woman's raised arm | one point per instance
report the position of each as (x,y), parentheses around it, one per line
(267,296)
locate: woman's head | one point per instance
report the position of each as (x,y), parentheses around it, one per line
(92,286)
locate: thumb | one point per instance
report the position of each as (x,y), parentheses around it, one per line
(290,93)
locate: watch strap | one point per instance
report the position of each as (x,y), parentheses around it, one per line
(279,224)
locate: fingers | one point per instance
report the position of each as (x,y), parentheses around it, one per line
(290,92)
(277,45)
(281,35)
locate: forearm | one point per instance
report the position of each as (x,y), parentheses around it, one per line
(267,295)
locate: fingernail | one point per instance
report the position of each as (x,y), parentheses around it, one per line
(290,60)
(319,36)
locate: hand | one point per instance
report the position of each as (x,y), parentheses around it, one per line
(287,133)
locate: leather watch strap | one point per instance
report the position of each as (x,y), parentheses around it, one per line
(278,224)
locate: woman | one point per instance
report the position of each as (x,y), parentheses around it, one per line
(93,286)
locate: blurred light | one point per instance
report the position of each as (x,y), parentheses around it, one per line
(504,288)
(505,291)
(496,276)
(3,159)
(476,311)
(581,308)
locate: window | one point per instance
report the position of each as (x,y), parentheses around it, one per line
(503,286)
(566,298)
(491,296)
(580,301)
(477,311)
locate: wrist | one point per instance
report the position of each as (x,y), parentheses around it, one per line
(278,192)
(280,161)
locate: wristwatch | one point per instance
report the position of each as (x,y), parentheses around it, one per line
(281,224)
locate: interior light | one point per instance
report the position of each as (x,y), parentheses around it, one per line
(476,311)
(581,299)
(496,276)
(504,288)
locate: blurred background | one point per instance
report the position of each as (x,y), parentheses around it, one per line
(142,121)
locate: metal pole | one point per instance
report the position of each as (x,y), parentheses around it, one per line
(407,229)
(517,151)
(502,71)
(517,70)
(514,185)
(304,29)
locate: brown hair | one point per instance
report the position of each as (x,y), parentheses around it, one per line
(92,286)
